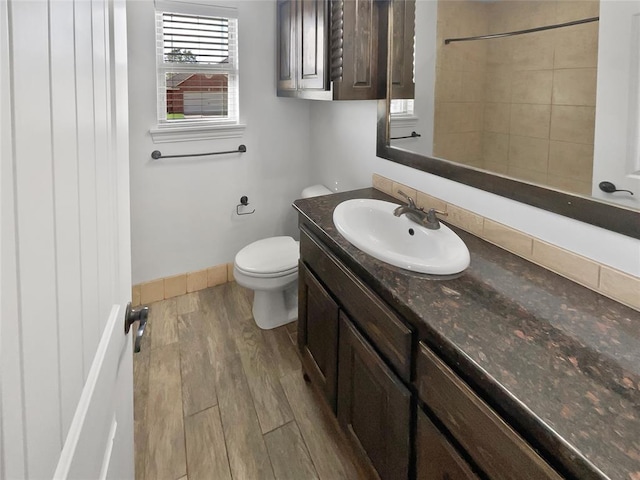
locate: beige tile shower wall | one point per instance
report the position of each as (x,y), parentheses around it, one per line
(522,105)
(539,115)
(163,288)
(614,284)
(459,89)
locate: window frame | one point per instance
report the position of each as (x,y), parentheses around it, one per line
(170,130)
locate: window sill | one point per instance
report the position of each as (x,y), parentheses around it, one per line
(399,121)
(186,133)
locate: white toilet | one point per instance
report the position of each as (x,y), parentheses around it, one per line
(270,268)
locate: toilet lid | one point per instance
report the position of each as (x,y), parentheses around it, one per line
(270,255)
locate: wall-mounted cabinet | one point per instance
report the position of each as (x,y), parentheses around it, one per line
(332,50)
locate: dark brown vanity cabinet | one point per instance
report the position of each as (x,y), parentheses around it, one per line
(332,50)
(373,405)
(335,312)
(373,373)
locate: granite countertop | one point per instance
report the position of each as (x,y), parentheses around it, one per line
(560,362)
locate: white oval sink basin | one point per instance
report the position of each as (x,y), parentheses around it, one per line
(371,226)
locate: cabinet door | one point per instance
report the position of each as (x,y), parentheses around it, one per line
(436,458)
(493,444)
(313,38)
(364,63)
(318,334)
(373,405)
(286,31)
(402,48)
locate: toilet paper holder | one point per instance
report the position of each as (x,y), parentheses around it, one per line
(244,201)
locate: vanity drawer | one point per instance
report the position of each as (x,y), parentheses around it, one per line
(497,449)
(385,330)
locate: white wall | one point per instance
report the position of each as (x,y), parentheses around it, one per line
(343,154)
(183,210)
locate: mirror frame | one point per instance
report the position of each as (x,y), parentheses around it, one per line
(616,218)
(611,217)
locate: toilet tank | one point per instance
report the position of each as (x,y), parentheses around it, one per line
(315,191)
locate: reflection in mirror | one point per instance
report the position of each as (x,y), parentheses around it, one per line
(521,106)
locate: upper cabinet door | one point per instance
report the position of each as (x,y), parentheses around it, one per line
(402,48)
(364,50)
(286,31)
(312,61)
(337,56)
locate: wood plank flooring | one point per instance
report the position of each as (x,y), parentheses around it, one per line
(215,398)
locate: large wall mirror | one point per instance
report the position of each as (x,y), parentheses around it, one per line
(535,100)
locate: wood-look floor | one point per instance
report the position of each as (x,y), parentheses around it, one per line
(218,398)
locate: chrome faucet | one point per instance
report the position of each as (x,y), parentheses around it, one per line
(417,214)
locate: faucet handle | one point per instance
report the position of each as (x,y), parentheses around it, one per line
(432,221)
(433,210)
(410,201)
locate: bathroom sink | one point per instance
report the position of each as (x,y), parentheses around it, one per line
(371,226)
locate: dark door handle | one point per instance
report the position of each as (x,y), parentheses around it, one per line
(609,187)
(132,316)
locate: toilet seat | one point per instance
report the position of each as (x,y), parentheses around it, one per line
(269,257)
(266,275)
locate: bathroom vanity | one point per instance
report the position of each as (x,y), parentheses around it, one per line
(504,371)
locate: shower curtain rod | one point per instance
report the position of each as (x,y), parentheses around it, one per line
(447,41)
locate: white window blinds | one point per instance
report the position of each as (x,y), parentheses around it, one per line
(197,58)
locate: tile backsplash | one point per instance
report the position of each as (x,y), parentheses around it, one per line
(619,286)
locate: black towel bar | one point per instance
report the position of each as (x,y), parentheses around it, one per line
(157,155)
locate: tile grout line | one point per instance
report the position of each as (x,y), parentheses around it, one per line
(209,319)
(226,448)
(184,428)
(295,420)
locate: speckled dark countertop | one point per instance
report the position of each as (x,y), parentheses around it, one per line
(560,362)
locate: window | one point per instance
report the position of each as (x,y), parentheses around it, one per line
(401,107)
(197,60)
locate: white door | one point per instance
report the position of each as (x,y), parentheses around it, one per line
(66,398)
(617,135)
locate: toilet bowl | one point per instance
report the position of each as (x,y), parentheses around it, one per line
(269,267)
